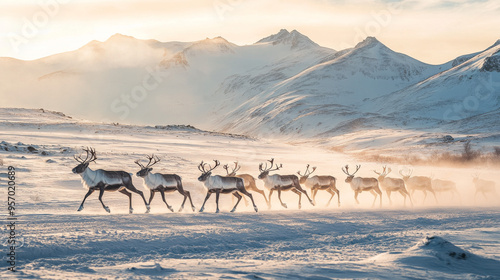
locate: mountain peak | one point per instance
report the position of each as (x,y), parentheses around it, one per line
(296,39)
(368,42)
(119,37)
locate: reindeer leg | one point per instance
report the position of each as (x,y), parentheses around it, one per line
(404,196)
(238,196)
(87,195)
(356,193)
(279,197)
(125,192)
(206,198)
(255,189)
(217,194)
(425,195)
(244,199)
(269,202)
(183,201)
(263,194)
(299,188)
(101,193)
(300,196)
(314,191)
(332,193)
(162,192)
(389,196)
(435,197)
(190,200)
(338,196)
(130,187)
(379,195)
(375,197)
(151,195)
(251,198)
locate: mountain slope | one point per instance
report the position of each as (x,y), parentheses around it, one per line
(328,93)
(468,89)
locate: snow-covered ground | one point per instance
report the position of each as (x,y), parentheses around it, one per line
(456,238)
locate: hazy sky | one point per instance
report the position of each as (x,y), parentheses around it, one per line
(431,31)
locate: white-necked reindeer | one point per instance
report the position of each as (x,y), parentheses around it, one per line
(392,184)
(103,180)
(485,187)
(162,183)
(360,184)
(248,180)
(316,183)
(442,186)
(281,183)
(418,183)
(219,184)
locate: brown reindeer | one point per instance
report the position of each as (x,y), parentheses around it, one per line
(316,183)
(248,180)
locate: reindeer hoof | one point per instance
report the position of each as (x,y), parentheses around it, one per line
(171,209)
(284,205)
(201,210)
(217,211)
(131,210)
(180,209)
(194,209)
(312,203)
(81,208)
(256,210)
(234,209)
(300,206)
(107,209)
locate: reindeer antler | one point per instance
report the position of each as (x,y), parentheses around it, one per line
(90,153)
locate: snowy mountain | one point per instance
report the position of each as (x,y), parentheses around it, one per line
(466,90)
(324,95)
(284,85)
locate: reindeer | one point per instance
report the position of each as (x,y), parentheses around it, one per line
(162,183)
(248,180)
(392,184)
(360,184)
(485,187)
(281,183)
(420,183)
(439,185)
(316,183)
(218,184)
(103,180)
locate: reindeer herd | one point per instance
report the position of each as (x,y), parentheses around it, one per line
(241,184)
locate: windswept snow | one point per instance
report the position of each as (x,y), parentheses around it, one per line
(455,239)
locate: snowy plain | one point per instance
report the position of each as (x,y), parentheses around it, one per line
(457,238)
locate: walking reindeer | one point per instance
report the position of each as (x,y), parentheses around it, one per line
(219,184)
(103,180)
(420,183)
(281,183)
(484,187)
(248,180)
(316,183)
(392,184)
(359,185)
(162,183)
(442,186)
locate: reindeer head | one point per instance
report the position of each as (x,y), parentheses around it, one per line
(146,169)
(475,178)
(233,172)
(407,175)
(206,173)
(383,174)
(265,171)
(304,177)
(84,163)
(350,176)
